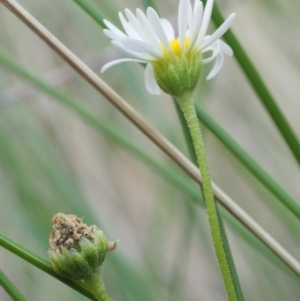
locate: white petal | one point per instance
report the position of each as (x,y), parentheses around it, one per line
(217,66)
(140,47)
(205,20)
(190,15)
(141,56)
(128,28)
(158,28)
(136,25)
(209,59)
(198,11)
(219,32)
(114,29)
(112,35)
(215,48)
(226,48)
(183,11)
(115,62)
(168,28)
(149,31)
(150,81)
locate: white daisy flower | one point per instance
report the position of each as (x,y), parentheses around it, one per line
(173,64)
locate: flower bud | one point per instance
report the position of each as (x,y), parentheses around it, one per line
(77,250)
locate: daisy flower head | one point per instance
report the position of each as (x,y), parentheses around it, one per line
(173,64)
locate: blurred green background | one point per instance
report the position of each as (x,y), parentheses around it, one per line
(52,160)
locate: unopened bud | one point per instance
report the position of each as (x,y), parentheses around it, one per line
(77,250)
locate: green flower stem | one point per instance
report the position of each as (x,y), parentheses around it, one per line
(193,157)
(96,286)
(188,109)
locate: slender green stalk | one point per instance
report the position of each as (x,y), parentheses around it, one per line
(186,132)
(234,274)
(231,264)
(96,286)
(10,288)
(189,112)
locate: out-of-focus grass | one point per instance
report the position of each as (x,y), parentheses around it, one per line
(10,288)
(50,161)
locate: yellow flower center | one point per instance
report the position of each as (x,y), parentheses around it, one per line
(175,46)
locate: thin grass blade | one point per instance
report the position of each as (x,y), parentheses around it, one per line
(10,288)
(259,86)
(41,263)
(92,11)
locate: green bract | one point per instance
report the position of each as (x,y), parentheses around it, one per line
(178,74)
(82,261)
